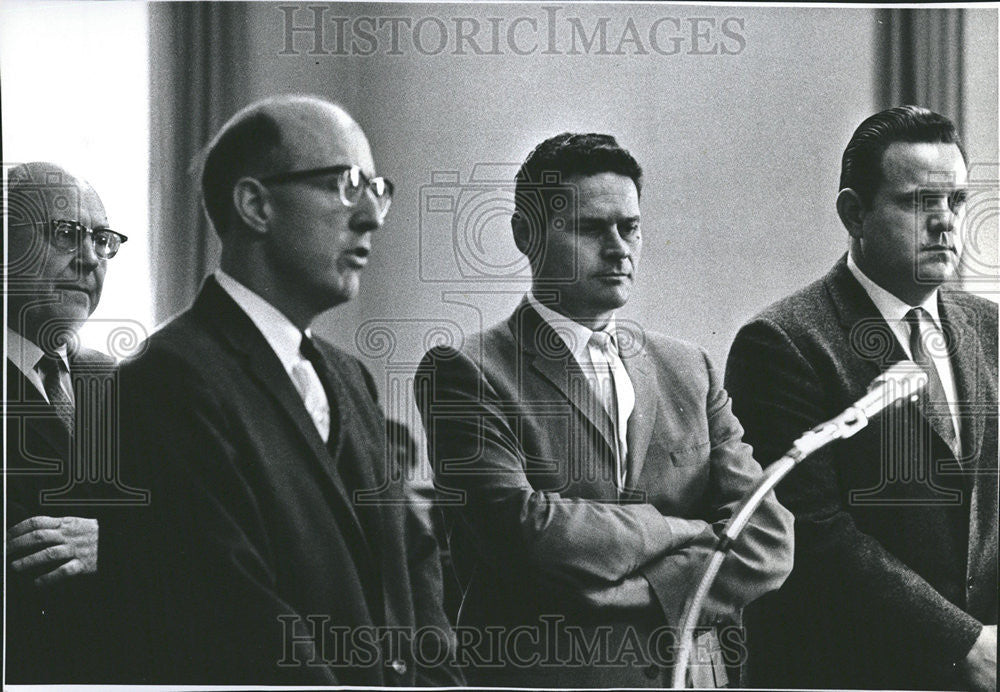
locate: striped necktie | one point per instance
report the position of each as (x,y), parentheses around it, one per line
(934,394)
(57,384)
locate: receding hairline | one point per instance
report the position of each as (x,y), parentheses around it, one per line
(293,115)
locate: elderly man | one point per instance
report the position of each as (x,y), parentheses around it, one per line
(895,580)
(275,550)
(59,245)
(597,462)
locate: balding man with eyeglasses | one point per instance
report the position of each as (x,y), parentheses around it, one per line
(58,248)
(277,548)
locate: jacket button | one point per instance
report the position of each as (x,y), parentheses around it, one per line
(971,581)
(652,671)
(398,666)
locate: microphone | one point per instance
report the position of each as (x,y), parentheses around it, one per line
(904,380)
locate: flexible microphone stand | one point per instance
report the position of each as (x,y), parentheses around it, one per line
(902,381)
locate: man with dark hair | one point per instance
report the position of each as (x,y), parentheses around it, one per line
(895,579)
(277,549)
(596,462)
(58,248)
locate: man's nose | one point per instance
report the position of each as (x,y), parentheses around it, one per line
(615,245)
(86,255)
(366,216)
(942,221)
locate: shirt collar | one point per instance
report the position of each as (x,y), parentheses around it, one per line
(279,332)
(25,354)
(889,306)
(575,335)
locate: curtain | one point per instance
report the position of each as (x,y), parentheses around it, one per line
(920,60)
(198,73)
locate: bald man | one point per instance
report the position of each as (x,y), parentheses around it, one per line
(275,549)
(59,244)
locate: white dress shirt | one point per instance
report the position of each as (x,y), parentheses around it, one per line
(285,339)
(893,311)
(596,362)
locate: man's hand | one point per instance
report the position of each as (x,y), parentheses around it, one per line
(57,547)
(631,593)
(979,669)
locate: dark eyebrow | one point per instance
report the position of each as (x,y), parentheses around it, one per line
(601,219)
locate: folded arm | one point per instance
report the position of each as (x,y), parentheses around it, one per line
(598,549)
(761,559)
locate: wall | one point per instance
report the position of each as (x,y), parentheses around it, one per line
(979,131)
(741,148)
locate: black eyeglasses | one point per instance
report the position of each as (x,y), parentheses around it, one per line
(68,236)
(351,184)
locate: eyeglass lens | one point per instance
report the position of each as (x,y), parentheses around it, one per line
(68,236)
(353,183)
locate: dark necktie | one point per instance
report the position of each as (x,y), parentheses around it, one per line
(311,353)
(51,368)
(934,394)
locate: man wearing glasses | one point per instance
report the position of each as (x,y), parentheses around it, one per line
(275,550)
(58,248)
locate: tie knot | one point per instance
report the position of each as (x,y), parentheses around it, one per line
(52,363)
(602,341)
(307,347)
(914,316)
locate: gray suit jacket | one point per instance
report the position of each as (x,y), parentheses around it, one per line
(896,539)
(524,452)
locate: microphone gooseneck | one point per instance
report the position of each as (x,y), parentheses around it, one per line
(901,381)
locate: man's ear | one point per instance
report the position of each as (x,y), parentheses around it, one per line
(252,204)
(851,210)
(524,237)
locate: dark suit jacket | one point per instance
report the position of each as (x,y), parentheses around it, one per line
(896,540)
(53,634)
(514,428)
(254,563)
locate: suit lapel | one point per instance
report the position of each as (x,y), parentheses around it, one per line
(869,336)
(647,391)
(967,362)
(548,355)
(36,421)
(224,316)
(872,343)
(351,464)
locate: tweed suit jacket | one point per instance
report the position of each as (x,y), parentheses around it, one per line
(53,634)
(896,538)
(524,452)
(265,556)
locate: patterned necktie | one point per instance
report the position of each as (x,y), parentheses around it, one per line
(55,376)
(614,389)
(920,338)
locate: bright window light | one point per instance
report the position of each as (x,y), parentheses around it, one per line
(75,92)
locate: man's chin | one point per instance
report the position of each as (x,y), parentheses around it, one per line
(938,271)
(618,298)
